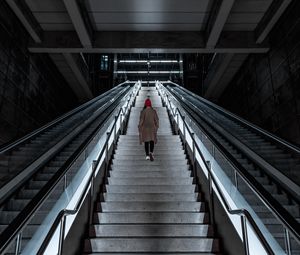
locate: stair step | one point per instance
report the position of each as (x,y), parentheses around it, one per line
(152,218)
(123,230)
(150,173)
(151,245)
(150,180)
(151,163)
(149,167)
(150,197)
(151,188)
(157,156)
(151,206)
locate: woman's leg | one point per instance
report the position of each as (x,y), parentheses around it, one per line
(151,150)
(151,146)
(147,148)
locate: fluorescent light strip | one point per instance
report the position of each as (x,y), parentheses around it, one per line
(146,61)
(150,72)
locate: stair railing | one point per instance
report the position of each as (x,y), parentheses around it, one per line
(88,189)
(213,184)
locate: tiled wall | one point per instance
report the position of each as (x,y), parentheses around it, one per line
(32,91)
(266,90)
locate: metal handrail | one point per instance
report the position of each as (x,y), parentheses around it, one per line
(28,217)
(265,133)
(212,179)
(52,123)
(61,217)
(281,217)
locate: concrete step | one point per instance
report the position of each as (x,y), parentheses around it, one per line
(160,157)
(149,167)
(126,138)
(151,206)
(158,162)
(191,197)
(165,146)
(150,180)
(140,245)
(146,174)
(157,151)
(146,253)
(151,188)
(151,218)
(179,230)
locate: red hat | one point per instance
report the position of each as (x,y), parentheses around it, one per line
(148,102)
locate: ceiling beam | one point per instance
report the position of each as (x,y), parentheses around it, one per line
(145,42)
(84,90)
(79,20)
(24,14)
(215,72)
(270,18)
(216,21)
(220,73)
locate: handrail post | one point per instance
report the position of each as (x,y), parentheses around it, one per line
(106,153)
(236,179)
(211,195)
(115,131)
(177,116)
(245,234)
(193,147)
(121,123)
(184,131)
(91,197)
(18,243)
(65,181)
(287,241)
(194,158)
(61,235)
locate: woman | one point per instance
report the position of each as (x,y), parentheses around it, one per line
(148,128)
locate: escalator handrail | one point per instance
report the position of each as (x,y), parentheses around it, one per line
(63,213)
(288,221)
(231,211)
(38,131)
(22,220)
(246,123)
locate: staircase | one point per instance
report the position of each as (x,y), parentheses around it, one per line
(150,207)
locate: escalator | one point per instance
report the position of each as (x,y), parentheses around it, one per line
(271,164)
(37,169)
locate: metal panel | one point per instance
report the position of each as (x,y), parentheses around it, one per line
(46,5)
(147,5)
(57,27)
(150,27)
(52,17)
(147,17)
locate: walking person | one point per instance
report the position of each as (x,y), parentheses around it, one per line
(148,126)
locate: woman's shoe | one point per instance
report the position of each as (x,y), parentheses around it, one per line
(151,157)
(147,157)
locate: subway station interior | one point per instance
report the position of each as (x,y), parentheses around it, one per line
(223,77)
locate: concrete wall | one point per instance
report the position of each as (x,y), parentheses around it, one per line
(266,90)
(32,91)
